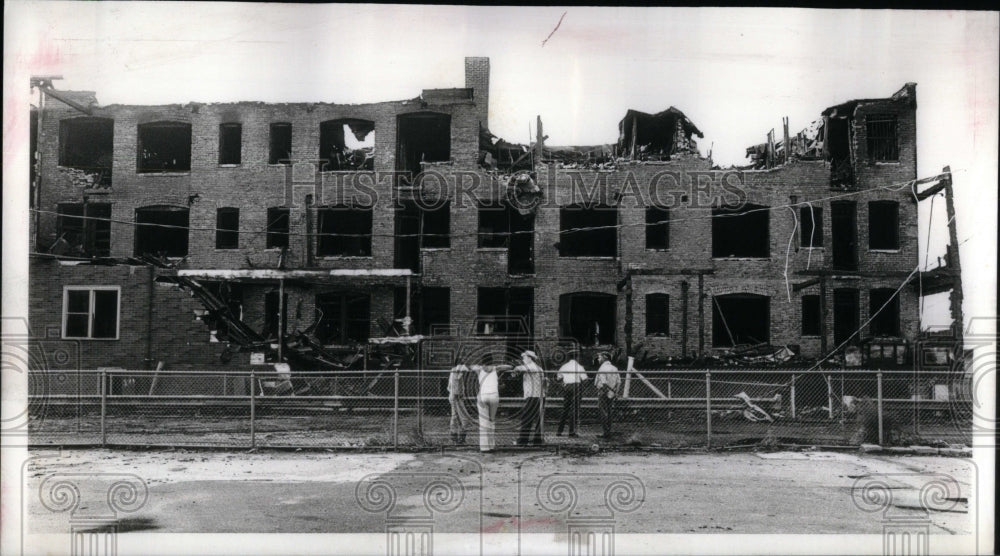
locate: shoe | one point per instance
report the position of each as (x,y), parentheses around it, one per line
(573,435)
(559,433)
(538,442)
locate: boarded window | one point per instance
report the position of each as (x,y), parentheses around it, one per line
(277,228)
(90,313)
(83,230)
(588,231)
(164,147)
(883,145)
(811,315)
(657,314)
(588,317)
(742,232)
(280,144)
(347,144)
(230,143)
(811,229)
(345,232)
(227,226)
(657,228)
(740,319)
(884,321)
(88,144)
(883,225)
(161,231)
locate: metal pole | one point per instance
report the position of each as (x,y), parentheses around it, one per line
(253,410)
(881,439)
(104,399)
(708,409)
(792,396)
(395,411)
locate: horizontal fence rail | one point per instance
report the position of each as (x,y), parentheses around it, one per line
(670,408)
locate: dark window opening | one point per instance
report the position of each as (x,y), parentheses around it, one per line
(846,315)
(90,313)
(345,232)
(657,228)
(230,143)
(657,314)
(883,225)
(740,319)
(844,233)
(83,230)
(430,310)
(164,147)
(588,318)
(347,144)
(227,228)
(277,228)
(343,317)
(280,144)
(230,294)
(274,314)
(417,228)
(421,137)
(505,312)
(811,228)
(505,227)
(883,145)
(811,315)
(742,232)
(161,231)
(494,227)
(588,231)
(88,144)
(884,321)
(838,148)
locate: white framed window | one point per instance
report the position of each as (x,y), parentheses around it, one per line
(91,312)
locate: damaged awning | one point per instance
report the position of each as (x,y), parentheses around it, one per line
(656,136)
(369,276)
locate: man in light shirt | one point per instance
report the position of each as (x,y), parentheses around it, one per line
(533,384)
(572,376)
(487,403)
(606,381)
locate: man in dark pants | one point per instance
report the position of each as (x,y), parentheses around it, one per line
(572,376)
(606,380)
(532,382)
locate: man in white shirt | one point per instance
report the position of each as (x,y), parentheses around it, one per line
(487,403)
(606,380)
(572,376)
(533,385)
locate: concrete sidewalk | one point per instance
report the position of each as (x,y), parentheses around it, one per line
(300,492)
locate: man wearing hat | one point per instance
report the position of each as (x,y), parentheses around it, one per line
(606,381)
(532,382)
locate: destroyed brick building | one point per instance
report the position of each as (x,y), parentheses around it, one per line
(281,215)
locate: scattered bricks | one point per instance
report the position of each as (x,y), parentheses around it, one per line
(870,448)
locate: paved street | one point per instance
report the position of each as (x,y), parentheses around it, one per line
(317,492)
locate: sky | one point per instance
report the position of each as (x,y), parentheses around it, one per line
(734,72)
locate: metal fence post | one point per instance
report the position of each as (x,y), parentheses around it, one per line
(253,410)
(792,396)
(708,409)
(395,411)
(104,400)
(881,439)
(916,405)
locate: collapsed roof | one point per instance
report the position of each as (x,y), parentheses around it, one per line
(643,136)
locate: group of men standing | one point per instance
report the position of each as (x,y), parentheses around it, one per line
(572,375)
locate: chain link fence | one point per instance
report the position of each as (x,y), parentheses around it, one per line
(410,409)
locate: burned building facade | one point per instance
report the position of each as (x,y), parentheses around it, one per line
(345,223)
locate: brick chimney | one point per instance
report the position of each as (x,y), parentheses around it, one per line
(477,78)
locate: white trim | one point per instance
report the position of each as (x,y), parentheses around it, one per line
(90,310)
